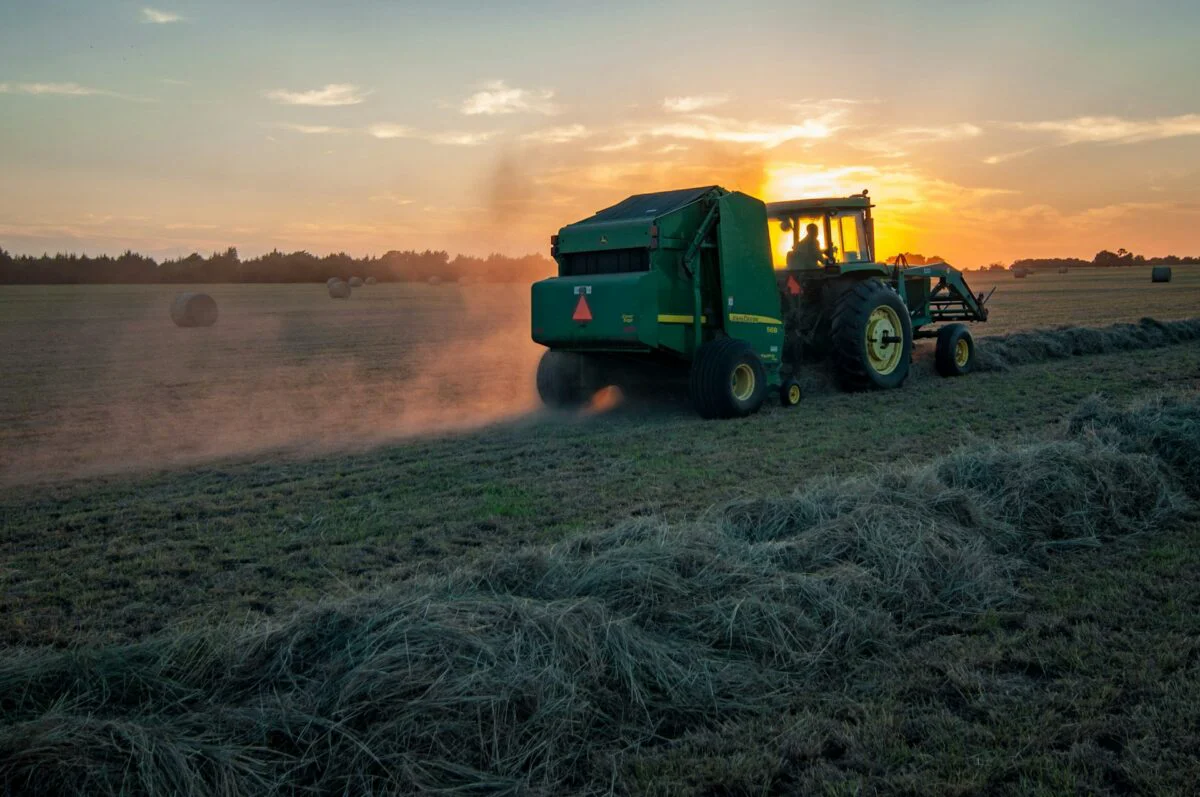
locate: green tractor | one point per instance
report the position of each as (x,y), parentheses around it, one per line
(730,296)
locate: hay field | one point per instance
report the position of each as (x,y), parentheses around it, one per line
(1086,297)
(97,380)
(634,601)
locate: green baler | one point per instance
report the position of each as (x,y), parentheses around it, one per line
(683,283)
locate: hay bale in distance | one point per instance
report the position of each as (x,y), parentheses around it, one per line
(194,310)
(1160,274)
(435,280)
(1063,270)
(369,281)
(355,282)
(1020,273)
(339,290)
(329,282)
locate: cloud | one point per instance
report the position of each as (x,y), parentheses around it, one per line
(388,131)
(392,199)
(64,90)
(1102,130)
(333,94)
(953,132)
(153,16)
(461,139)
(766,135)
(313,130)
(893,142)
(693,104)
(993,160)
(1114,129)
(558,135)
(496,97)
(618,146)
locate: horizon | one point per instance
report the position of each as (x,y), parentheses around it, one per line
(183,127)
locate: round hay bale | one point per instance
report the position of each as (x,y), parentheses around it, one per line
(194,310)
(1020,273)
(329,282)
(370,281)
(339,290)
(435,280)
(1063,270)
(355,282)
(1160,274)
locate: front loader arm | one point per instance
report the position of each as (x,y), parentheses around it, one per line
(951,298)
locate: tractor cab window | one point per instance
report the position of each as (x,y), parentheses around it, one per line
(793,243)
(848,236)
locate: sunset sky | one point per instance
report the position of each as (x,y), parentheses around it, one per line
(985,130)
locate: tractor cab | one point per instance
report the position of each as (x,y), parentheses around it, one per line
(814,234)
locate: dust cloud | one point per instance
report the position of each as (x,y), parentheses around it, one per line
(114,387)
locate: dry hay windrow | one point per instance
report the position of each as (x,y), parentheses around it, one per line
(537,671)
(1022,348)
(194,310)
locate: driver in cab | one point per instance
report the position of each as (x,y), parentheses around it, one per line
(807,251)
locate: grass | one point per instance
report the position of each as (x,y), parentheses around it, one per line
(556,669)
(117,559)
(1084,680)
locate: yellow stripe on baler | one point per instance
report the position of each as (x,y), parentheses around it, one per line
(746,318)
(740,318)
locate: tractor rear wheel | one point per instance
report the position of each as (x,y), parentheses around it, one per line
(871,333)
(727,380)
(955,354)
(560,380)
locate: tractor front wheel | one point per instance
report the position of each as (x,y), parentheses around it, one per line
(560,380)
(955,353)
(871,333)
(727,380)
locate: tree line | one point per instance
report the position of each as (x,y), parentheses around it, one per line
(274,266)
(395,266)
(1103,259)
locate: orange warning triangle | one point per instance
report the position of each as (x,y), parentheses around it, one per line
(793,286)
(582,311)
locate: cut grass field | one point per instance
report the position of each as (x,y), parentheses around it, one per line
(1088,680)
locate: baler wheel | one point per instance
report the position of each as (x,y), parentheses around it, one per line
(789,393)
(727,380)
(955,353)
(560,379)
(871,332)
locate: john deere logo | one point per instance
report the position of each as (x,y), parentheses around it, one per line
(603,239)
